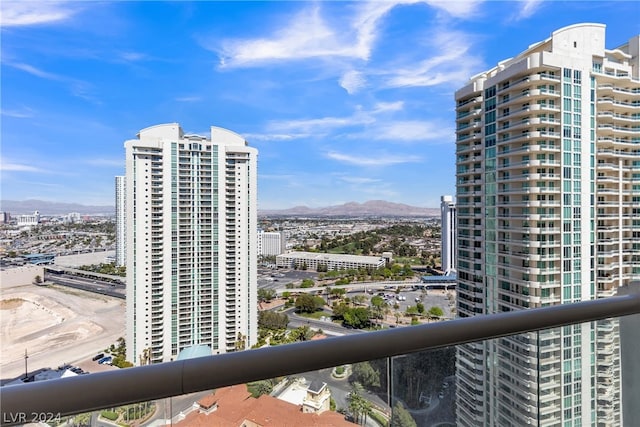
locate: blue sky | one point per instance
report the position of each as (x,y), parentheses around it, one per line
(344,101)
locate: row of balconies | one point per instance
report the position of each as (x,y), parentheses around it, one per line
(622,90)
(617,140)
(464,137)
(532,203)
(549,147)
(532,78)
(617,105)
(467,114)
(463,148)
(468,125)
(470,101)
(530,95)
(530,135)
(624,116)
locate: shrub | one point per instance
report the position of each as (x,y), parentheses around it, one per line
(110,415)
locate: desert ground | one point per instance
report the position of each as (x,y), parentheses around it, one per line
(54,324)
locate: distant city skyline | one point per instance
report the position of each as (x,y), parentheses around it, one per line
(345,101)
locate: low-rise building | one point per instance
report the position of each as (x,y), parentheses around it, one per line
(26,220)
(313,260)
(234,406)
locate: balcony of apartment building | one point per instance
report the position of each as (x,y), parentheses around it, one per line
(474,146)
(402,354)
(618,106)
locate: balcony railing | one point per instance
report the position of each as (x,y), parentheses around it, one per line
(85,393)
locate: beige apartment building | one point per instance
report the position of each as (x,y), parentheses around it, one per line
(548,205)
(191,243)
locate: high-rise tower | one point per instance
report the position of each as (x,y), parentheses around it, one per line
(121,221)
(548,193)
(448,234)
(191,243)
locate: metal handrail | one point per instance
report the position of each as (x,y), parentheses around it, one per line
(84,393)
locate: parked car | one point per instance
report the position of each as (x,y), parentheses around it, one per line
(105,360)
(98,356)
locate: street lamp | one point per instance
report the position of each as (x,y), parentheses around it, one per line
(26,372)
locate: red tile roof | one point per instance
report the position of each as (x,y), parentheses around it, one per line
(235,406)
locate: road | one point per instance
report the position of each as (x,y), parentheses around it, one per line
(328,327)
(96,286)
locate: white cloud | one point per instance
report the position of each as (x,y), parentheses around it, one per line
(133,56)
(308,35)
(382,159)
(18,167)
(78,88)
(274,136)
(412,130)
(278,177)
(370,126)
(315,127)
(24,13)
(451,62)
(188,99)
(352,81)
(527,9)
(359,180)
(106,162)
(457,8)
(23,113)
(381,107)
(35,71)
(318,126)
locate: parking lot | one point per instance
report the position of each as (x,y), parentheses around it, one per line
(408,295)
(278,278)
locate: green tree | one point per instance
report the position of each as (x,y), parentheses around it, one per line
(378,304)
(357,317)
(241,342)
(258,388)
(407,271)
(436,311)
(302,333)
(358,405)
(400,417)
(420,307)
(265,294)
(337,292)
(364,374)
(412,310)
(307,283)
(339,309)
(307,303)
(272,320)
(359,299)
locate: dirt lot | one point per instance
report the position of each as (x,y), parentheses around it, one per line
(55,325)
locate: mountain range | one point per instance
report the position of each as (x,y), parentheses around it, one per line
(353,209)
(379,208)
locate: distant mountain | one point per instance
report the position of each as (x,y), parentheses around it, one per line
(354,209)
(15,207)
(371,208)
